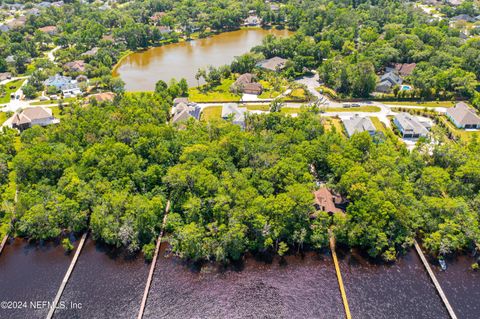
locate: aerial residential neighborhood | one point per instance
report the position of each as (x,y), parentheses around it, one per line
(239,159)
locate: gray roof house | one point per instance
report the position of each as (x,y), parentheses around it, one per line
(388,81)
(358,124)
(183,111)
(463,116)
(274,64)
(410,126)
(237,113)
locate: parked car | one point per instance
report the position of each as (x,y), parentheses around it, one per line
(53,97)
(43,98)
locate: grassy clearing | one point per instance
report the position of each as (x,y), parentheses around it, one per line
(258,107)
(67,100)
(220,93)
(378,124)
(364,108)
(212,112)
(291,110)
(332,123)
(298,95)
(3,117)
(421,104)
(268,91)
(10,88)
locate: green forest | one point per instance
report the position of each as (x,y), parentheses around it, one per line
(112,167)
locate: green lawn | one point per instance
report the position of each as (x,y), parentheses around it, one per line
(220,93)
(67,100)
(268,91)
(212,112)
(3,117)
(331,123)
(364,108)
(378,124)
(291,110)
(421,104)
(258,107)
(10,87)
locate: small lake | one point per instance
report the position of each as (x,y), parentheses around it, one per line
(141,70)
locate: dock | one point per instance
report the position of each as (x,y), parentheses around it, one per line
(435,281)
(339,277)
(4,241)
(67,276)
(152,266)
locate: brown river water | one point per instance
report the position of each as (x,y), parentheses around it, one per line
(110,284)
(141,70)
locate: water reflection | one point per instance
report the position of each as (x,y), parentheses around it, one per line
(31,272)
(300,288)
(140,71)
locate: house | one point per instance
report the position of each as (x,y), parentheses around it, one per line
(252,21)
(274,64)
(33,116)
(5,76)
(325,201)
(404,69)
(463,116)
(90,53)
(183,111)
(410,126)
(388,81)
(4,28)
(246,84)
(58,81)
(164,29)
(462,17)
(64,84)
(10,59)
(157,16)
(75,66)
(49,29)
(358,124)
(103,97)
(236,113)
(17,23)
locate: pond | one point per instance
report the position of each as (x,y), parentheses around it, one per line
(141,70)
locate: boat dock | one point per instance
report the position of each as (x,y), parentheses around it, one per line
(67,276)
(339,277)
(435,281)
(152,266)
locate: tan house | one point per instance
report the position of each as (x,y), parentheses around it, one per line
(33,116)
(49,29)
(75,66)
(246,84)
(103,97)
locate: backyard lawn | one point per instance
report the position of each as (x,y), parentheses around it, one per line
(10,87)
(220,93)
(67,100)
(3,117)
(421,104)
(463,134)
(363,108)
(212,112)
(378,124)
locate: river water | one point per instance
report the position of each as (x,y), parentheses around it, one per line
(141,70)
(301,288)
(106,282)
(399,290)
(461,286)
(30,273)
